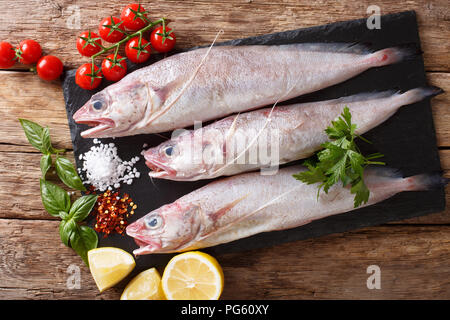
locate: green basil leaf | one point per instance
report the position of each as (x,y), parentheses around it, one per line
(83,239)
(54,198)
(82,207)
(64,215)
(46,144)
(54,151)
(34,133)
(46,163)
(66,228)
(67,173)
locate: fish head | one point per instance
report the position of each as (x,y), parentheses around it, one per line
(115,110)
(184,157)
(166,229)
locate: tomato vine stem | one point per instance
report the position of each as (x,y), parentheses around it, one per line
(128,37)
(116,46)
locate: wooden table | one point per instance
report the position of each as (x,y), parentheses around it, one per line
(413,255)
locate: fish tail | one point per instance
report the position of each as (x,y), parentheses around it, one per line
(386,176)
(425,181)
(418,94)
(393,55)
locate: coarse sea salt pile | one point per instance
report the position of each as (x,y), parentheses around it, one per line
(103,169)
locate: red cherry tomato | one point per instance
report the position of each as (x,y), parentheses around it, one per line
(114,71)
(30,51)
(111,34)
(7,55)
(87,79)
(49,68)
(129,18)
(88,43)
(163,42)
(139,55)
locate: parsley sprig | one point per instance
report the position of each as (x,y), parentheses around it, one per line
(340,160)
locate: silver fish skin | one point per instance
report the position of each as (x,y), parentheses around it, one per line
(247,141)
(201,85)
(243,205)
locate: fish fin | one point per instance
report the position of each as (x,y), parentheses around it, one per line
(232,128)
(418,94)
(271,202)
(299,124)
(189,82)
(419,182)
(229,134)
(255,138)
(435,91)
(163,92)
(340,47)
(412,96)
(425,181)
(158,98)
(374,95)
(393,55)
(383,172)
(218,214)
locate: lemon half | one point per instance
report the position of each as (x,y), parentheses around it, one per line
(109,265)
(145,286)
(193,276)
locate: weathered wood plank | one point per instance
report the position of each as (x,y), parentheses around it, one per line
(441,107)
(48,21)
(24,95)
(44,103)
(20,197)
(34,263)
(19,185)
(414,263)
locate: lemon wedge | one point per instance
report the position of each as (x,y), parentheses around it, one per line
(109,265)
(145,286)
(192,275)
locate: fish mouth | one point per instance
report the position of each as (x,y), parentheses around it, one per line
(98,126)
(145,246)
(149,247)
(157,169)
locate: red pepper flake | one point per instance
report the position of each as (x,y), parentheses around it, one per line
(111,212)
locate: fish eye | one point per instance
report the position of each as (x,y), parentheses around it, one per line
(98,105)
(168,151)
(153,222)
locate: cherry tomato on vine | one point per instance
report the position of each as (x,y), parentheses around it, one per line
(49,68)
(137,53)
(163,41)
(29,51)
(88,43)
(133,17)
(110,29)
(87,78)
(114,70)
(7,55)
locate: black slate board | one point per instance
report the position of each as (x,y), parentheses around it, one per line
(407,139)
